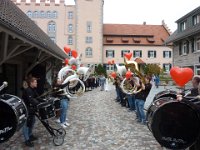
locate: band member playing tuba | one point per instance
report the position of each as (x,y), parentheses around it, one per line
(59,92)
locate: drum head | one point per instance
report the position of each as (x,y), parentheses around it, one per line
(176,125)
(8,121)
(166,93)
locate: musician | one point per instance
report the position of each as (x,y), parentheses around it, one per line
(140,99)
(59,92)
(194,92)
(29,95)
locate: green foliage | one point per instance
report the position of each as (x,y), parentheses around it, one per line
(100,70)
(150,69)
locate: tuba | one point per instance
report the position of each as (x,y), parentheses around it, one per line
(86,72)
(132,85)
(76,87)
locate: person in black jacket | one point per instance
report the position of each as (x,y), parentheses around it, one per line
(29,98)
(140,99)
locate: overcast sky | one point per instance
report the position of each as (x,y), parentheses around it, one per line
(150,11)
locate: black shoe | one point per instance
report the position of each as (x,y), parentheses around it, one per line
(32,138)
(29,143)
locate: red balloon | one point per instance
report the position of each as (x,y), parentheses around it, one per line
(67,49)
(128,74)
(66,61)
(74,53)
(128,55)
(73,67)
(109,62)
(181,75)
(113,74)
(113,62)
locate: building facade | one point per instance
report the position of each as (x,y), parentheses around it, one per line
(186,41)
(80,26)
(73,25)
(143,41)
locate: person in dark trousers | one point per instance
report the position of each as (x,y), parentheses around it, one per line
(29,98)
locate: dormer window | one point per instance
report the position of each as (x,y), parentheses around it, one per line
(182,26)
(195,19)
(124,39)
(150,39)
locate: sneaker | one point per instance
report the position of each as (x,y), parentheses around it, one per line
(67,124)
(29,143)
(66,119)
(63,125)
(57,120)
(33,138)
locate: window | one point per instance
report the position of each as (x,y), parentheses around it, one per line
(182,26)
(35,14)
(137,53)
(70,15)
(151,54)
(42,14)
(110,53)
(124,51)
(89,27)
(109,67)
(88,39)
(195,19)
(88,52)
(184,48)
(166,67)
(166,54)
(51,27)
(54,14)
(48,14)
(70,28)
(70,40)
(197,44)
(29,14)
(53,39)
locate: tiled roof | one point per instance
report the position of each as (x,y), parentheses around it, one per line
(136,34)
(12,18)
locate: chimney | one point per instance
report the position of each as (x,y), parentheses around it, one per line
(144,23)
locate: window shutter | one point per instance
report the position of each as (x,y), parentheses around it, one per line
(163,54)
(170,66)
(188,49)
(164,67)
(122,54)
(133,53)
(154,54)
(140,53)
(113,53)
(180,49)
(148,54)
(170,54)
(106,53)
(192,45)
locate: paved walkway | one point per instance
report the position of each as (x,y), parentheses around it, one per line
(97,123)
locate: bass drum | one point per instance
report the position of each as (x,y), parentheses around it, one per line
(13,114)
(174,124)
(166,93)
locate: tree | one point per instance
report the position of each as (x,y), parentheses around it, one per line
(150,69)
(100,70)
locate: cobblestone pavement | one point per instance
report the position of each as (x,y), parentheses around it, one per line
(97,123)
